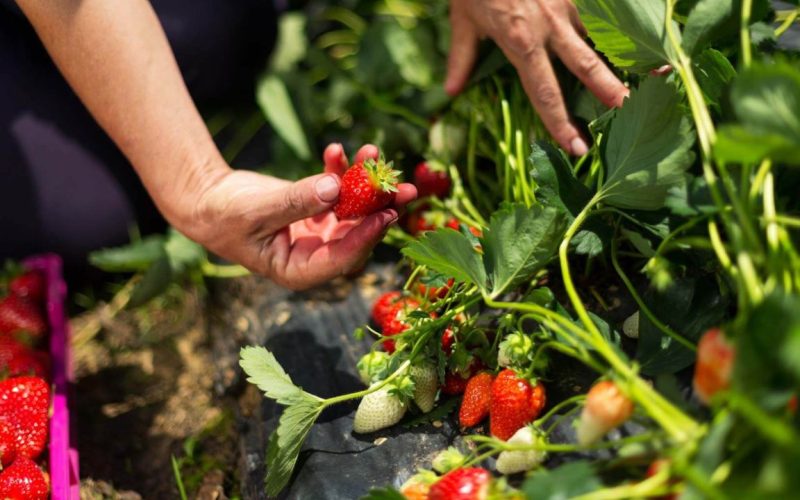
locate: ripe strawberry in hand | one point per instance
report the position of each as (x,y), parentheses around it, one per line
(24,480)
(29,286)
(606,408)
(515,402)
(477,398)
(470,483)
(25,403)
(18,316)
(715,357)
(366,188)
(431,179)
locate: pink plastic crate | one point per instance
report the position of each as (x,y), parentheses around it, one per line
(64,477)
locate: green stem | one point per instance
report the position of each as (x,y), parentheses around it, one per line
(360,394)
(212,270)
(786,23)
(744,32)
(573,400)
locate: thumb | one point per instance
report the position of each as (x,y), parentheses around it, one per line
(463,49)
(304,198)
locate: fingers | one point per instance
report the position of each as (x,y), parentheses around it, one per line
(334,159)
(541,85)
(304,198)
(406,193)
(584,63)
(367,151)
(309,261)
(463,49)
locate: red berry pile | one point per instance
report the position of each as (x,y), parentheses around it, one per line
(24,388)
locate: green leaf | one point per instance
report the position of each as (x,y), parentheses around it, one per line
(276,104)
(153,283)
(649,147)
(518,242)
(631,33)
(711,20)
(714,73)
(292,43)
(410,51)
(567,481)
(284,444)
(183,253)
(450,253)
(690,198)
(383,494)
(690,306)
(267,374)
(766,101)
(136,256)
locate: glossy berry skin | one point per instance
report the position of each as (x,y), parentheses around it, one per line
(515,403)
(365,189)
(17,315)
(712,372)
(25,403)
(383,307)
(23,480)
(29,286)
(471,483)
(606,408)
(431,182)
(8,444)
(477,400)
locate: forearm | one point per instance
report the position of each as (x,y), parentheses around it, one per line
(116,57)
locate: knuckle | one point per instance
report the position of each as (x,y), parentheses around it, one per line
(587,64)
(519,39)
(548,95)
(293,200)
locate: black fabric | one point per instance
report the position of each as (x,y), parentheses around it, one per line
(64,186)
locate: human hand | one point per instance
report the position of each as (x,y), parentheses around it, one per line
(287,230)
(527,31)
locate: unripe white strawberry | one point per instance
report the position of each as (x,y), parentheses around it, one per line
(606,408)
(372,364)
(514,350)
(426,385)
(378,410)
(630,327)
(510,462)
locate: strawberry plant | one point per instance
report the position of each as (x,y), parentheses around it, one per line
(686,204)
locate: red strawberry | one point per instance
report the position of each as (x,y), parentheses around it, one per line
(25,402)
(477,396)
(384,306)
(395,322)
(715,357)
(366,188)
(27,362)
(431,180)
(448,339)
(514,403)
(24,480)
(470,483)
(455,381)
(434,293)
(29,286)
(454,224)
(606,408)
(8,443)
(20,316)
(419,221)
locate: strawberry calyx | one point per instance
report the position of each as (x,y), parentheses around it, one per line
(381,174)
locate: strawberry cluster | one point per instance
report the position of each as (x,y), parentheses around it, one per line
(24,388)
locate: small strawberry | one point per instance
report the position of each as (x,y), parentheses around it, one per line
(433,293)
(715,357)
(25,402)
(426,385)
(455,380)
(395,320)
(23,480)
(514,403)
(514,350)
(366,188)
(454,224)
(630,327)
(655,468)
(383,308)
(418,485)
(447,460)
(606,408)
(511,462)
(29,286)
(423,219)
(372,365)
(378,410)
(448,339)
(20,317)
(8,442)
(470,483)
(431,179)
(477,397)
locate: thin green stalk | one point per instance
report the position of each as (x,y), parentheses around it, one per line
(360,394)
(744,33)
(780,30)
(574,400)
(643,307)
(212,270)
(770,212)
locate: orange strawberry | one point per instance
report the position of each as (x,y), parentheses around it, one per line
(715,357)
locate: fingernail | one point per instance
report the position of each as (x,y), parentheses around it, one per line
(327,188)
(389,217)
(579,147)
